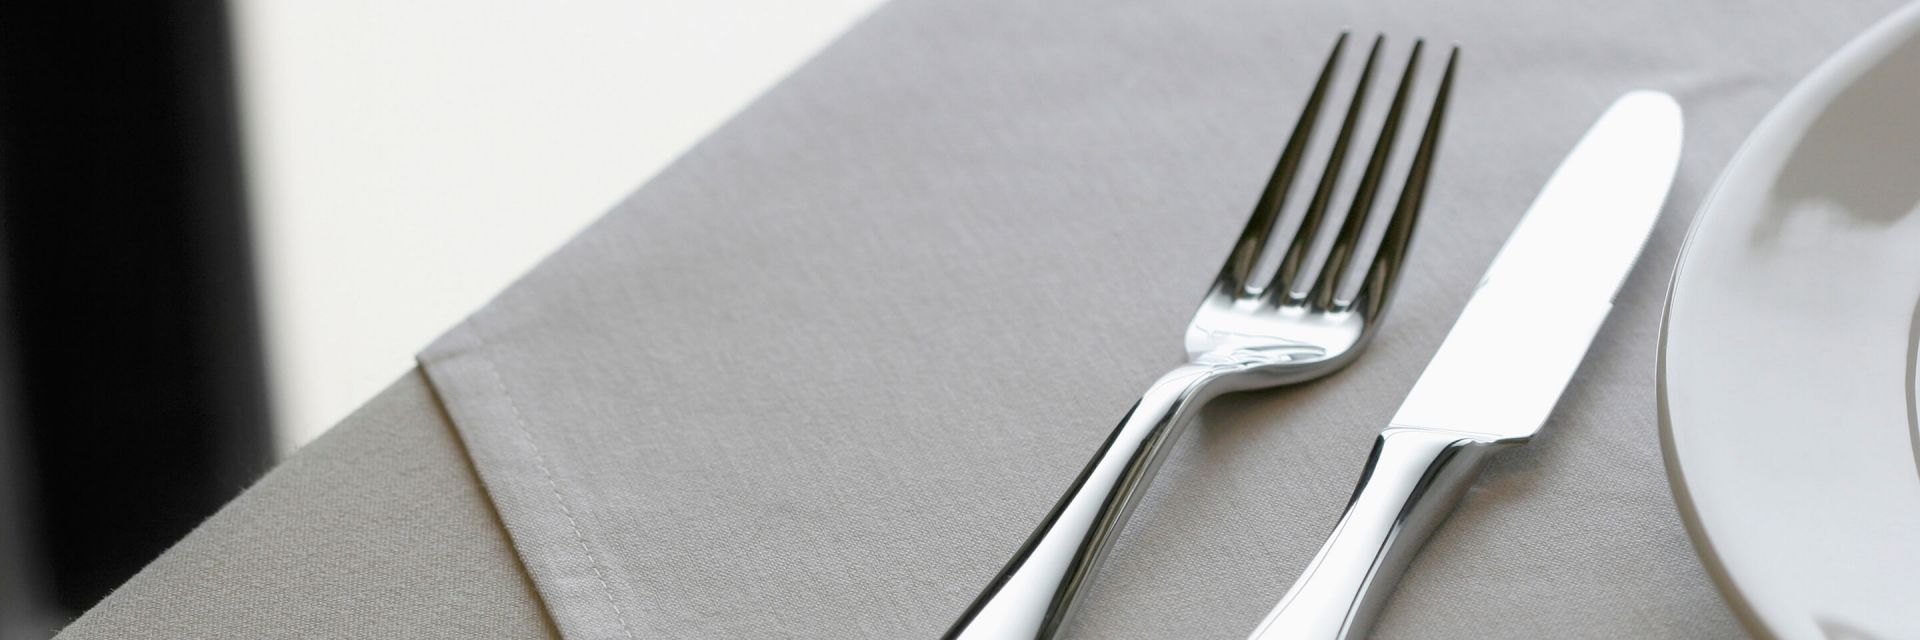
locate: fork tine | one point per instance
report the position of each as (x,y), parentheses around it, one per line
(1333,276)
(1385,269)
(1246,251)
(1281,288)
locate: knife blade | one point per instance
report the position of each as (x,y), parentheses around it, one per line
(1520,338)
(1502,367)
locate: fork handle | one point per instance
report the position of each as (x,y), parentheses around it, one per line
(1411,482)
(1033,595)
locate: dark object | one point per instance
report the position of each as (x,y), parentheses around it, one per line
(137,394)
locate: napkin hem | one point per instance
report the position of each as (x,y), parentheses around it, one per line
(514,469)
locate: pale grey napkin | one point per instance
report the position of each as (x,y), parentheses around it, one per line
(821,377)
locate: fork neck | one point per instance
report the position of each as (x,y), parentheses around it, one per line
(1037,590)
(1195,383)
(1250,369)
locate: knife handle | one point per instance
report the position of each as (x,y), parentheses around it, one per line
(1411,482)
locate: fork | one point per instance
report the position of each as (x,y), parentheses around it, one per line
(1245,336)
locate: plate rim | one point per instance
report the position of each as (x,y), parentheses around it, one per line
(1853,56)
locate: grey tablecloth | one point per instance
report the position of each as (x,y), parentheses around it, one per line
(376,530)
(820,377)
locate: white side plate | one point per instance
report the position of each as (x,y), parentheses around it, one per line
(1787,378)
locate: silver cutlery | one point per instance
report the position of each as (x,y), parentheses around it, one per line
(1500,370)
(1244,336)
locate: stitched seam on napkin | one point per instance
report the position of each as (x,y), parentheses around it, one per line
(553,485)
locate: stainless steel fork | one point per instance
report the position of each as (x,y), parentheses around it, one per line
(1244,336)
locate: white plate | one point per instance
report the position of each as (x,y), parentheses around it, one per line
(1787,379)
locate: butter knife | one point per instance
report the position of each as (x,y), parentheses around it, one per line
(1501,369)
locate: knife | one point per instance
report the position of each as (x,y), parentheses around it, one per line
(1501,369)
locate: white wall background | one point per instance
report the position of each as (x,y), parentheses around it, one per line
(409,159)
